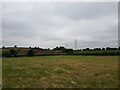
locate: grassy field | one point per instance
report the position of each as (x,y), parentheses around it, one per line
(0,72)
(60,72)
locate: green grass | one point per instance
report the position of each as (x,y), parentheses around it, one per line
(0,72)
(60,72)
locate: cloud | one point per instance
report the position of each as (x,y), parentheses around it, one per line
(50,24)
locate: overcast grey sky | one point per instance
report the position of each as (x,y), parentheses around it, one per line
(47,25)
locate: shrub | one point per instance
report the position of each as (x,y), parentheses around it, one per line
(13,52)
(6,54)
(30,53)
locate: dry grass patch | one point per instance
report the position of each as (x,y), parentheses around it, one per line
(61,71)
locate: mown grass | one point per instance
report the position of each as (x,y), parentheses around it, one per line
(60,72)
(0,73)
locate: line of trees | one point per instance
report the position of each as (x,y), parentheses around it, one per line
(87,51)
(63,48)
(13,53)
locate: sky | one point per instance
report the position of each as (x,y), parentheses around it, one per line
(51,24)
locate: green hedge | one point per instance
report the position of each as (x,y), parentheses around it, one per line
(102,52)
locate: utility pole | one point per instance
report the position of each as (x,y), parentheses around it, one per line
(75,44)
(66,45)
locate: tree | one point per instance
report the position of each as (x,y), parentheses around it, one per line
(69,51)
(3,47)
(119,48)
(6,54)
(97,49)
(87,49)
(60,48)
(48,48)
(15,46)
(108,48)
(13,52)
(30,53)
(103,48)
(56,48)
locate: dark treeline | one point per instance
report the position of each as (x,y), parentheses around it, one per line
(36,51)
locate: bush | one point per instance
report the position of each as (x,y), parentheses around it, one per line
(6,54)
(102,52)
(30,53)
(13,52)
